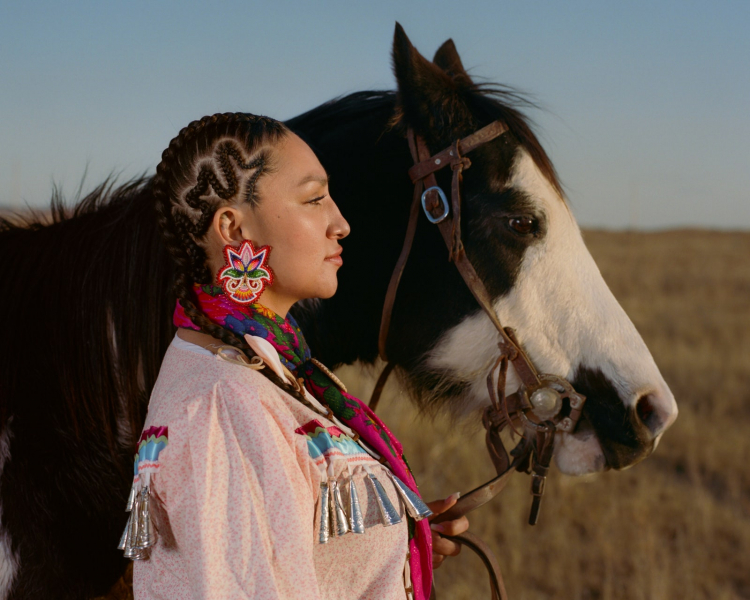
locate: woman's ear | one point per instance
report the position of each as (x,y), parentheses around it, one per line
(227,226)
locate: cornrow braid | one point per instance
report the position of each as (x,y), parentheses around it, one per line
(185,202)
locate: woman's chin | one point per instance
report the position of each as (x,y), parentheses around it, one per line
(327,294)
(323,292)
(327,286)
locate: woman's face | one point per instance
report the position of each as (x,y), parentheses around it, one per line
(297,217)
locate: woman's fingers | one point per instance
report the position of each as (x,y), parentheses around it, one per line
(440,506)
(444,547)
(455,527)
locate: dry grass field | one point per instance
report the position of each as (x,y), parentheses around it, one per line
(676,526)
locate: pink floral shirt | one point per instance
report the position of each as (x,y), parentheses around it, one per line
(235,494)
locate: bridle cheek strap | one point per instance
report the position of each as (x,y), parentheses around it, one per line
(448,220)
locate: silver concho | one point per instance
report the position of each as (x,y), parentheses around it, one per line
(546,402)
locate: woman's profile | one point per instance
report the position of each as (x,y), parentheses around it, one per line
(257,475)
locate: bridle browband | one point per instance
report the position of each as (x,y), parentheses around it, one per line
(538,406)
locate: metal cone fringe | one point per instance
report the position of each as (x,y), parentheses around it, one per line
(341,526)
(415,506)
(325,528)
(388,514)
(356,521)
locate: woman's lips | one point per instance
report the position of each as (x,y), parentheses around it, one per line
(335,258)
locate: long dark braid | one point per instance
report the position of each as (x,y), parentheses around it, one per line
(186,202)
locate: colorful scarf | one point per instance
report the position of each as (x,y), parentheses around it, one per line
(286,336)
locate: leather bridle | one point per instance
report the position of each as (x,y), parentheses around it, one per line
(543,404)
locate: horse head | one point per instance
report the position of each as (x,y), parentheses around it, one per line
(524,243)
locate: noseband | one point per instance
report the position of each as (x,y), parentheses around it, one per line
(542,405)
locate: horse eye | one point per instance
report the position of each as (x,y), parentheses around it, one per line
(524,224)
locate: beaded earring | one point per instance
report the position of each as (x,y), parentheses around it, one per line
(247,272)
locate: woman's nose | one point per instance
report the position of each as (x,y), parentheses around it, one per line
(339,227)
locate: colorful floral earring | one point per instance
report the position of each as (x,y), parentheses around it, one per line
(247,272)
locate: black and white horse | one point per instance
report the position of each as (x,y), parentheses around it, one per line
(87,304)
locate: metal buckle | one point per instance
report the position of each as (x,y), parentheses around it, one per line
(537,484)
(443,199)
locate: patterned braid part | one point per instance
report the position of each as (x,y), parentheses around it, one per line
(207,178)
(180,232)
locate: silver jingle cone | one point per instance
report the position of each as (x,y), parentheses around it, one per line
(388,514)
(130,550)
(340,524)
(131,499)
(124,539)
(146,531)
(415,506)
(356,522)
(141,554)
(325,528)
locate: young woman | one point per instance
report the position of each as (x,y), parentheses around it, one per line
(257,475)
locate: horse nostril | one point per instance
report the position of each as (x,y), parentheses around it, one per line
(648,413)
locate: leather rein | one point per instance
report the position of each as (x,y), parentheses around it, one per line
(542,405)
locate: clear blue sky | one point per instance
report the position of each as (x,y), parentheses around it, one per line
(647,103)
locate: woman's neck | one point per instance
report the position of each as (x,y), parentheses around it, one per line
(277,303)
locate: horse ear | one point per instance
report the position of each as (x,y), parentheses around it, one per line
(429,99)
(448,60)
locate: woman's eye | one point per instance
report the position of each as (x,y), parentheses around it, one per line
(315,200)
(523,224)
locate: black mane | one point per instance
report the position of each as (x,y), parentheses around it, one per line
(344,108)
(489,102)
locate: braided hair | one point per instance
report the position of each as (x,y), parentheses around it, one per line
(212,162)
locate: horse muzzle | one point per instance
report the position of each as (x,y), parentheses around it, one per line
(626,433)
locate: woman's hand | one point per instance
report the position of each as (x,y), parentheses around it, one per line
(442,547)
